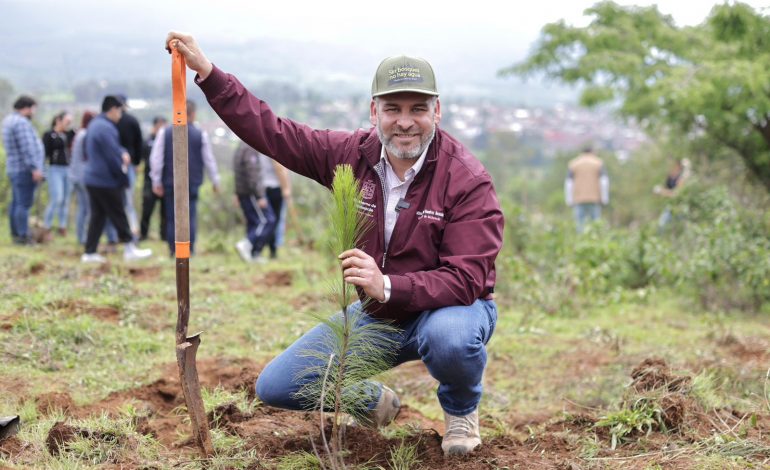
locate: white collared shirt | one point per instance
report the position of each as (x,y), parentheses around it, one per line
(395,190)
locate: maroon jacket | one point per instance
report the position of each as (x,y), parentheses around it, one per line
(442,250)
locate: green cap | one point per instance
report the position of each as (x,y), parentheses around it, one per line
(403,73)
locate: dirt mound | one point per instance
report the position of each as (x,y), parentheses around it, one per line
(278,279)
(159,402)
(62,434)
(13,387)
(654,384)
(108,314)
(76,307)
(751,349)
(50,402)
(224,416)
(370,447)
(59,435)
(36,268)
(11,447)
(165,394)
(675,407)
(654,373)
(149,273)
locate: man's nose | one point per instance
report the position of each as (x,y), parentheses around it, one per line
(404,121)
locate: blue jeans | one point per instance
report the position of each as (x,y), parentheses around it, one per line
(168,202)
(22,198)
(260,223)
(58,196)
(130,211)
(84,215)
(587,211)
(451,341)
(81,218)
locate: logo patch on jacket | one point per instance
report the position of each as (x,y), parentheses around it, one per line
(429,214)
(368,188)
(366,208)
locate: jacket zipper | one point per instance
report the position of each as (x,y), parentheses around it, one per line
(380,174)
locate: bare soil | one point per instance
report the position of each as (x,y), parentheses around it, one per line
(531,441)
(149,273)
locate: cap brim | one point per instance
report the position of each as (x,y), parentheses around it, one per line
(401,90)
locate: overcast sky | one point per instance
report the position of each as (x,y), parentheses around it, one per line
(476,38)
(417,27)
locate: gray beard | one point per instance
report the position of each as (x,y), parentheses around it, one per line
(412,154)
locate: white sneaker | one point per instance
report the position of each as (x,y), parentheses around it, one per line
(133,253)
(92,258)
(462,434)
(243,247)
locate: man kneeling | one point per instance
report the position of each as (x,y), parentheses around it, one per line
(429,259)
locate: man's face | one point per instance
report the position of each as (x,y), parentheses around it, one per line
(114,114)
(28,113)
(406,122)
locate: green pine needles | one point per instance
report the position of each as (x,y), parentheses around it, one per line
(355,348)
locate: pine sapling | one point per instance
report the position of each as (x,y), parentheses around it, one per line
(354,349)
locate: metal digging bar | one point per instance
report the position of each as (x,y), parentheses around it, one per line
(186,347)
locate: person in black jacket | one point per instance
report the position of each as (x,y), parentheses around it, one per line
(148,197)
(131,139)
(57,144)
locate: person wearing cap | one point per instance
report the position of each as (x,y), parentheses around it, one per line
(428,262)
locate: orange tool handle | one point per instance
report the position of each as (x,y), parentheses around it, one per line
(179,87)
(179,91)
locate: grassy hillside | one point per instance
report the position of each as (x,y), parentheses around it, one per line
(92,349)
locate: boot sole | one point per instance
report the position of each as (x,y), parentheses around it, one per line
(455,451)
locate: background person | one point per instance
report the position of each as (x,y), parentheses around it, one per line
(24,165)
(678,174)
(586,187)
(250,191)
(106,177)
(131,139)
(200,156)
(277,184)
(57,145)
(149,199)
(75,173)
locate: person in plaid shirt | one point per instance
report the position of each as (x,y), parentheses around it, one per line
(24,163)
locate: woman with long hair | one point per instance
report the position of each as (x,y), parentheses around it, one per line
(56,142)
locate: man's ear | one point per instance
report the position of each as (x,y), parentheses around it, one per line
(437,112)
(373,112)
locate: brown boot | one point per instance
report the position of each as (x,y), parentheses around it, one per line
(462,433)
(385,411)
(61,231)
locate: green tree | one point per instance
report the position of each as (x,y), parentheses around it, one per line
(710,81)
